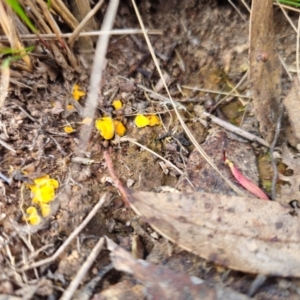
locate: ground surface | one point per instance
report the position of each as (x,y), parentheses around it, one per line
(203,45)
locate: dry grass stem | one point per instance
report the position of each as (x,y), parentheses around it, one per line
(286,15)
(286,6)
(187,131)
(69,292)
(158,96)
(231,93)
(235,89)
(48,17)
(288,70)
(69,239)
(64,13)
(52,36)
(272,147)
(237,10)
(246,5)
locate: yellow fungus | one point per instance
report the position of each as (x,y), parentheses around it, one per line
(43,189)
(119,128)
(106,127)
(117,104)
(33,217)
(77,92)
(68,129)
(153,120)
(70,107)
(141,121)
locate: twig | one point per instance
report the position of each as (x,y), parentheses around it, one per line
(233,91)
(60,149)
(87,290)
(285,67)
(274,166)
(287,7)
(82,271)
(52,36)
(237,130)
(246,5)
(96,75)
(160,97)
(69,239)
(5,145)
(187,131)
(24,112)
(215,92)
(115,178)
(238,11)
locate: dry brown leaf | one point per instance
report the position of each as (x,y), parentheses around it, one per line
(265,68)
(245,234)
(291,104)
(163,283)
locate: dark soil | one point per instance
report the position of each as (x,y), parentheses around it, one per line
(203,45)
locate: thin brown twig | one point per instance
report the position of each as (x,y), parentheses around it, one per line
(115,178)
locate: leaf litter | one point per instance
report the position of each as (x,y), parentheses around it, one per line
(80,188)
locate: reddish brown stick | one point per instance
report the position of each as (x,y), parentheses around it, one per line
(115,178)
